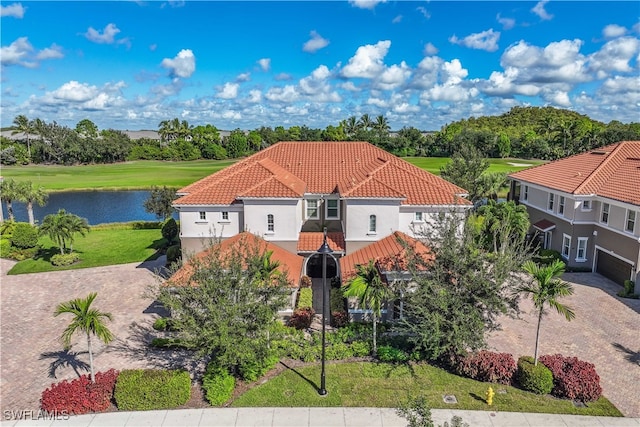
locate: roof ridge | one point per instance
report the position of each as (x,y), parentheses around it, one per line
(600,167)
(276,170)
(371,177)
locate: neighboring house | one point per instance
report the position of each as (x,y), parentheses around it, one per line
(587,207)
(288,193)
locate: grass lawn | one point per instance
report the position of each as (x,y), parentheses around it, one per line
(145,173)
(365,384)
(100,247)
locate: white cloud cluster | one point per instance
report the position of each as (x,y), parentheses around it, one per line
(315,43)
(83,96)
(265,64)
(182,65)
(107,36)
(15,10)
(485,40)
(366,4)
(20,52)
(368,61)
(539,10)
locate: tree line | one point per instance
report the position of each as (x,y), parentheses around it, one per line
(525,132)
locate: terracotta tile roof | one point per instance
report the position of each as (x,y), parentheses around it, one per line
(544,225)
(612,171)
(291,169)
(244,243)
(388,253)
(311,241)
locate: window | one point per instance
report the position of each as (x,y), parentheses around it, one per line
(631,221)
(550,204)
(586,205)
(561,205)
(270,224)
(203,216)
(372,224)
(566,245)
(581,254)
(333,212)
(605,213)
(525,195)
(418,217)
(312,209)
(225,216)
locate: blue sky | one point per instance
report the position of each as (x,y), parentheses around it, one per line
(131,64)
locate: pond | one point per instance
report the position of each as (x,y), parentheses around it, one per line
(97,207)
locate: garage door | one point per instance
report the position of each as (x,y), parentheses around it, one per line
(613,268)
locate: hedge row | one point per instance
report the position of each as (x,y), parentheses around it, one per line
(146,389)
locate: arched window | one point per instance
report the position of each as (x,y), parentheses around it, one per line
(270,223)
(372,223)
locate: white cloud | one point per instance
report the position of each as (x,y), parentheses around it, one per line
(183,65)
(255,96)
(281,77)
(265,64)
(378,102)
(424,12)
(244,77)
(53,52)
(507,23)
(74,95)
(350,86)
(75,92)
(366,4)
(539,10)
(317,87)
(315,43)
(367,62)
(486,40)
(429,49)
(106,37)
(17,53)
(282,94)
(397,19)
(452,85)
(229,91)
(393,77)
(615,55)
(15,10)
(613,31)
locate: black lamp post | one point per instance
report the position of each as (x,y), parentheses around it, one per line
(324,250)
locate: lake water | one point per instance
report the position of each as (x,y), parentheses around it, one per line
(96,206)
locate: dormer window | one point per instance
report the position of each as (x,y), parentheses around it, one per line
(312,208)
(333,209)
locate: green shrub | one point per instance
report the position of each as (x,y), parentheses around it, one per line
(386,353)
(170,229)
(5,248)
(146,225)
(535,378)
(547,256)
(167,343)
(148,389)
(25,236)
(337,300)
(305,298)
(252,370)
(163,324)
(173,254)
(65,259)
(360,348)
(6,229)
(338,351)
(218,385)
(628,290)
(22,254)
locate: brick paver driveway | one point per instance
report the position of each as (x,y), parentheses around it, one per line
(605,332)
(32,355)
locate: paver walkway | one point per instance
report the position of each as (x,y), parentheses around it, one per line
(604,332)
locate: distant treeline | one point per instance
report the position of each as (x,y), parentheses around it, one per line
(524,132)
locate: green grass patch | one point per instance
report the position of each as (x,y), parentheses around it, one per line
(433,164)
(365,384)
(100,247)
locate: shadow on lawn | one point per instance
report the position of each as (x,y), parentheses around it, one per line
(65,359)
(310,382)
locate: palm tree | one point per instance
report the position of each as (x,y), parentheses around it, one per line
(9,191)
(76,225)
(62,227)
(545,290)
(23,125)
(365,122)
(30,195)
(371,292)
(87,320)
(381,125)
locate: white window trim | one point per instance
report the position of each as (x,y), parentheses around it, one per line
(583,209)
(586,245)
(416,219)
(564,237)
(551,202)
(306,207)
(222,218)
(273,224)
(375,230)
(626,221)
(326,209)
(602,213)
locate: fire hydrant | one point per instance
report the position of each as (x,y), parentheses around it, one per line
(490,394)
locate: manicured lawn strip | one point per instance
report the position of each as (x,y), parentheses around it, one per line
(100,247)
(365,384)
(146,173)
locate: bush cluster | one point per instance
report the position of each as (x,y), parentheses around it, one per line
(535,378)
(573,378)
(19,254)
(251,371)
(302,318)
(305,281)
(218,385)
(80,396)
(339,319)
(167,343)
(170,230)
(305,298)
(486,366)
(5,248)
(65,259)
(163,324)
(146,389)
(174,253)
(387,353)
(24,236)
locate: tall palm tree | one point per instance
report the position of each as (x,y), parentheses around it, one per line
(371,292)
(62,227)
(381,125)
(76,225)
(545,290)
(87,320)
(23,125)
(365,122)
(30,195)
(9,191)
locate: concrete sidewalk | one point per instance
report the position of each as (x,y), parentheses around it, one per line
(300,417)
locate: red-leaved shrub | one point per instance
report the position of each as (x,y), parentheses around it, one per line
(339,319)
(486,366)
(81,396)
(573,378)
(302,318)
